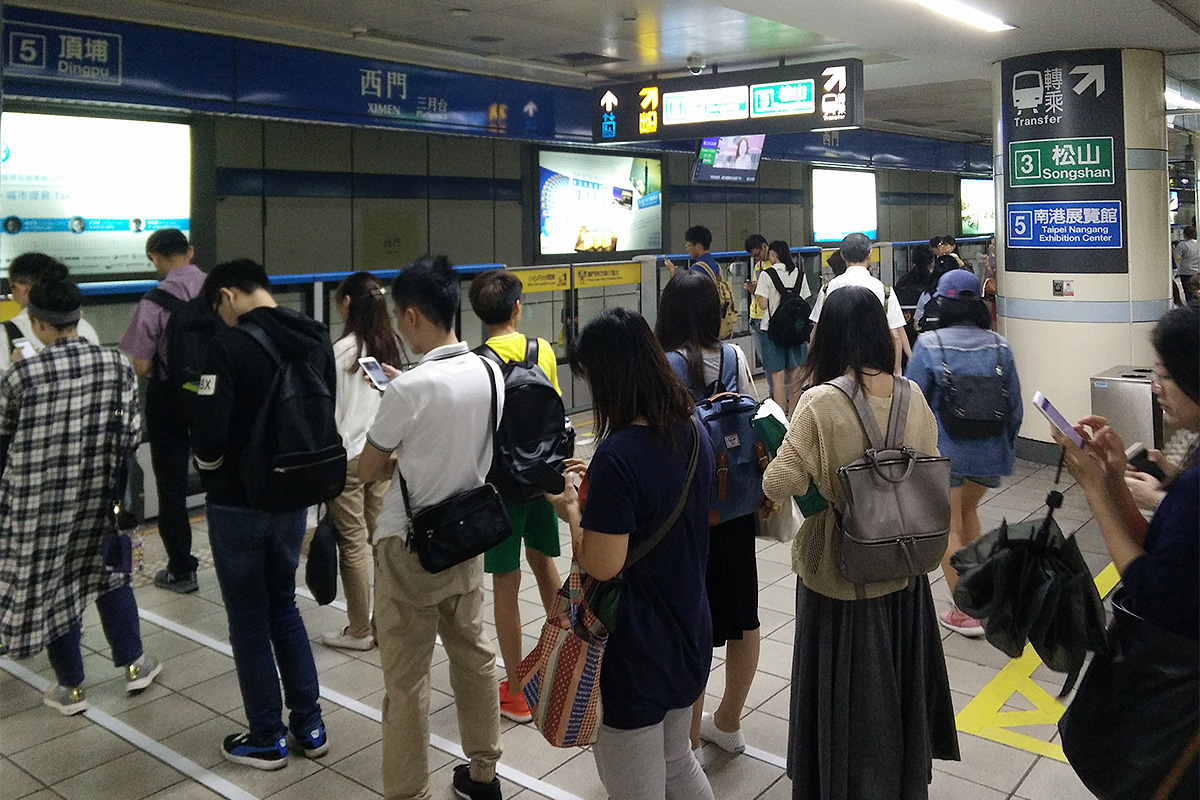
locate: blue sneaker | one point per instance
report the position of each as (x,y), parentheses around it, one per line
(240,748)
(313,744)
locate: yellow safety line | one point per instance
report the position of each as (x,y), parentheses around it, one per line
(983,716)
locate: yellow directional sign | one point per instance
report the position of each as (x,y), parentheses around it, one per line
(607,275)
(549,279)
(983,716)
(648,116)
(649,97)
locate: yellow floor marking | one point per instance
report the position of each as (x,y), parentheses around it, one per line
(983,716)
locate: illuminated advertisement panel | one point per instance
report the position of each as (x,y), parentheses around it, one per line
(598,203)
(843,203)
(89,191)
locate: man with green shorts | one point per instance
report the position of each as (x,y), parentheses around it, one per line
(496,299)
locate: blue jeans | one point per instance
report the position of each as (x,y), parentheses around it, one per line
(256,554)
(119,618)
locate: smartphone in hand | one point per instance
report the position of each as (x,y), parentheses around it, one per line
(374,372)
(1137,456)
(1056,418)
(25,347)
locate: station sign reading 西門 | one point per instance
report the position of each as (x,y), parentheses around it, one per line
(799,97)
(1063,140)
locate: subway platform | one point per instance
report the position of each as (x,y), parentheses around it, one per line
(164,743)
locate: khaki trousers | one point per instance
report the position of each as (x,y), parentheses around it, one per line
(354,512)
(412,607)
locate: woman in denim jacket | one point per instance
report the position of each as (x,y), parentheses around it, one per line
(964,345)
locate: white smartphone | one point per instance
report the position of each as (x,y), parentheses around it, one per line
(1056,419)
(25,347)
(374,372)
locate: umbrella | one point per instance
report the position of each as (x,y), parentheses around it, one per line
(1026,582)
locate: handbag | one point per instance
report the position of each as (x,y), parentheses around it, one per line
(463,526)
(560,678)
(896,519)
(321,567)
(1133,729)
(118,549)
(780,522)
(972,406)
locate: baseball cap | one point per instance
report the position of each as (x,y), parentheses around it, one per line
(958,283)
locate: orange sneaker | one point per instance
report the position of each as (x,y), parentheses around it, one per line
(514,707)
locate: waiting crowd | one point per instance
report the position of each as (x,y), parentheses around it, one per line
(438,474)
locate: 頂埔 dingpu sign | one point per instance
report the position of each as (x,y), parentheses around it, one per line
(799,97)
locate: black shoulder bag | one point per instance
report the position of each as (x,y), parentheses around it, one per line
(463,526)
(973,406)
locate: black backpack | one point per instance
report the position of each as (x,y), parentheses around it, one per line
(790,325)
(532,429)
(294,457)
(191,327)
(973,406)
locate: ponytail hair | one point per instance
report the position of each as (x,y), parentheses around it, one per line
(367,319)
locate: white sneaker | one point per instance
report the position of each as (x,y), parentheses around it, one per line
(342,641)
(730,742)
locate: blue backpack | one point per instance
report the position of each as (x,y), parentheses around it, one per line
(739,452)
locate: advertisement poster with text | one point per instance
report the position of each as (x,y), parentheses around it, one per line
(89,191)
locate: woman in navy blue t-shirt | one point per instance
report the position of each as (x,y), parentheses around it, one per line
(660,650)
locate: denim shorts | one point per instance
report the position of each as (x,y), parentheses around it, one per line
(777,359)
(987,481)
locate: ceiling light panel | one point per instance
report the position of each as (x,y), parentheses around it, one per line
(970,16)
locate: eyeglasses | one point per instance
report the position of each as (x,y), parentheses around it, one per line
(1160,377)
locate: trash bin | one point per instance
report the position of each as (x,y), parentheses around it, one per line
(1123,396)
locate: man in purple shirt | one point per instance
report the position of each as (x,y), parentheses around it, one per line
(145,341)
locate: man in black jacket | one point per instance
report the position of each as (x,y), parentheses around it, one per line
(256,552)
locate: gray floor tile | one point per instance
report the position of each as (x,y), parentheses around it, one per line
(1052,780)
(130,777)
(69,755)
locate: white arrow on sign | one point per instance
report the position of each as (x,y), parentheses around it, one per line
(1092,73)
(837,77)
(530,108)
(608,101)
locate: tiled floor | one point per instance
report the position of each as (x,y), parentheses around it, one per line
(196,702)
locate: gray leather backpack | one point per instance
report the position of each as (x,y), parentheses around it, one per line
(896,519)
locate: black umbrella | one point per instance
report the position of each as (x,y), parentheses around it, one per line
(1026,582)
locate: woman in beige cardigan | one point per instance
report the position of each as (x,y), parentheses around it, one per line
(871,700)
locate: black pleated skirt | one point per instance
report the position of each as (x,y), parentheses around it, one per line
(871,702)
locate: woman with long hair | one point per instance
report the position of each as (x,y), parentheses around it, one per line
(361,306)
(782,364)
(659,651)
(871,701)
(689,317)
(965,346)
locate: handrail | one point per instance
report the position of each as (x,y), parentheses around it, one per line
(101,288)
(959,240)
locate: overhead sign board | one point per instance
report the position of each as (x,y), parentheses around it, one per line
(1063,140)
(799,97)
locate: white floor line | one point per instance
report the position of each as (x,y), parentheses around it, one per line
(340,606)
(139,740)
(362,709)
(765,757)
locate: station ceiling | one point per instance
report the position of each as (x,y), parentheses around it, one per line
(925,73)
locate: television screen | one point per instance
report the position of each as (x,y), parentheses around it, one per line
(978,206)
(729,159)
(89,191)
(843,202)
(598,203)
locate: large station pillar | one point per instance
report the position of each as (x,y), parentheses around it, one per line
(1083,243)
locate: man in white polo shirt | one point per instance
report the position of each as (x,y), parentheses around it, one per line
(856,250)
(434,427)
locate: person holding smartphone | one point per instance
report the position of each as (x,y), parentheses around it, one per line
(368,332)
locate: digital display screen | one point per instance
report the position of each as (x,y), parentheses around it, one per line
(706,105)
(978,206)
(598,203)
(729,159)
(89,191)
(843,203)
